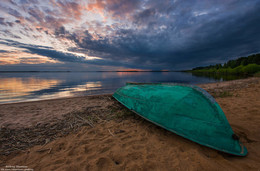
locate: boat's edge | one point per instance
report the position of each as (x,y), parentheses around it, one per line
(197,88)
(243,148)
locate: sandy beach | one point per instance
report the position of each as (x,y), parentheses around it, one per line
(98,133)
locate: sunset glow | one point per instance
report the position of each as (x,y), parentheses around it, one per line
(17,57)
(126,35)
(17,87)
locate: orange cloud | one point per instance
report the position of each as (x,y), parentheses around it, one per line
(114,8)
(10,58)
(99,5)
(69,9)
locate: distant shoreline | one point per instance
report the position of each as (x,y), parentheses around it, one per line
(86,71)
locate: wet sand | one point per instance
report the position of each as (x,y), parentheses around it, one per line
(97,133)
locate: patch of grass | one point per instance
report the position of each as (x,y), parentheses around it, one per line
(123,113)
(221,94)
(92,118)
(118,111)
(225,94)
(257,74)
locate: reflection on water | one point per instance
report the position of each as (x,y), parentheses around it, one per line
(15,88)
(29,86)
(69,92)
(123,74)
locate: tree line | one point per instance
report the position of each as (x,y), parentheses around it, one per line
(243,65)
(252,59)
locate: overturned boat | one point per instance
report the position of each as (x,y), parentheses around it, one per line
(186,110)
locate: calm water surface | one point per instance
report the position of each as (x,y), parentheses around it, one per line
(30,86)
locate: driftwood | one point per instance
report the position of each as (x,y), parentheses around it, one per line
(111,132)
(85,120)
(42,150)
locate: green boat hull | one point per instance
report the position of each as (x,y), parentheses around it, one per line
(186,110)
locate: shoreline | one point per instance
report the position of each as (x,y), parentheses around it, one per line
(54,99)
(96,132)
(206,86)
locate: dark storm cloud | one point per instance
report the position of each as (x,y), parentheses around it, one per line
(36,13)
(10,34)
(145,16)
(61,56)
(3,51)
(141,34)
(33,14)
(14,13)
(193,37)
(68,57)
(3,22)
(60,31)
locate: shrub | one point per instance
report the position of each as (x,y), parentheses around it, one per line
(251,69)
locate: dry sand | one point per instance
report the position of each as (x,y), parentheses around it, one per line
(102,135)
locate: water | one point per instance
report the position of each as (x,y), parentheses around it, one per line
(31,86)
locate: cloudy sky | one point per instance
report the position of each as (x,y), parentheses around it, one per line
(125,34)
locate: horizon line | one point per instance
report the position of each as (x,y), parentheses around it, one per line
(101,71)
